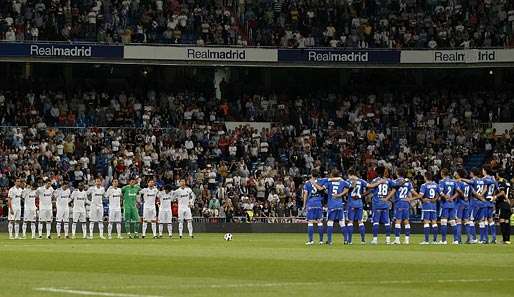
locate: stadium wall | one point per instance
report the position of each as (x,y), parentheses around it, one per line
(58,52)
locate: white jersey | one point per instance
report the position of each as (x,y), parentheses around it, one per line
(15,196)
(149,196)
(165,199)
(62,198)
(45,197)
(97,195)
(79,200)
(114,195)
(29,198)
(185,197)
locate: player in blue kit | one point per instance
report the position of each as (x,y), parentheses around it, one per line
(491,187)
(355,205)
(336,188)
(382,193)
(429,193)
(312,202)
(462,207)
(448,194)
(476,205)
(402,199)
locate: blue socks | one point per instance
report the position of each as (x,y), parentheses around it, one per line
(330,230)
(310,231)
(444,231)
(375,230)
(349,232)
(362,231)
(320,231)
(457,232)
(434,231)
(492,227)
(426,231)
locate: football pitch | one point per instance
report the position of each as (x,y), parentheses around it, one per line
(251,265)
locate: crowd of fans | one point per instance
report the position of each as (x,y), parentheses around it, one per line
(245,171)
(279,23)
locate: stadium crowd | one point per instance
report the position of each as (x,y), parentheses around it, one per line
(245,172)
(279,23)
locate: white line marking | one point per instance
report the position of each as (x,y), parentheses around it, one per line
(91,293)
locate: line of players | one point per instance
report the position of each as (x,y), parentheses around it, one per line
(64,197)
(459,201)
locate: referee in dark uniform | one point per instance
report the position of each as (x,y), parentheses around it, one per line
(503,207)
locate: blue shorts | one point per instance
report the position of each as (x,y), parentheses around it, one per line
(447,213)
(314,214)
(401,213)
(488,212)
(355,214)
(381,216)
(463,213)
(482,213)
(336,214)
(428,215)
(474,212)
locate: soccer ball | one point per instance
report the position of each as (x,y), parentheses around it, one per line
(228,236)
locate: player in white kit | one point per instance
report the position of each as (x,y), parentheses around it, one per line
(45,194)
(79,198)
(149,213)
(165,216)
(186,199)
(62,201)
(96,209)
(29,211)
(14,204)
(114,195)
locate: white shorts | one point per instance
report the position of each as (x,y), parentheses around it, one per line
(29,215)
(15,215)
(45,215)
(63,215)
(79,216)
(149,214)
(115,216)
(165,216)
(184,214)
(96,214)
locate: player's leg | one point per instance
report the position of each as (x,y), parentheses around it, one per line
(110,223)
(435,231)
(492,224)
(160,218)
(444,225)
(24,228)
(118,223)
(181,214)
(126,218)
(154,224)
(58,221)
(66,222)
(426,227)
(471,223)
(406,223)
(362,228)
(453,223)
(349,226)
(330,225)
(397,225)
(319,220)
(189,219)
(17,217)
(310,226)
(375,219)
(384,217)
(481,224)
(74,221)
(10,226)
(101,222)
(459,213)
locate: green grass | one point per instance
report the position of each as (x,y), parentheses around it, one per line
(252,265)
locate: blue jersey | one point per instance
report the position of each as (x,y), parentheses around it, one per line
(448,186)
(402,193)
(429,190)
(334,188)
(491,186)
(380,193)
(358,188)
(479,186)
(467,193)
(314,197)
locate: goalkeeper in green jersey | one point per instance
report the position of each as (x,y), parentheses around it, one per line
(131,216)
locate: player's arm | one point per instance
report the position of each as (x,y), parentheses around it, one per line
(342,194)
(390,194)
(192,198)
(304,198)
(376,184)
(9,201)
(455,195)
